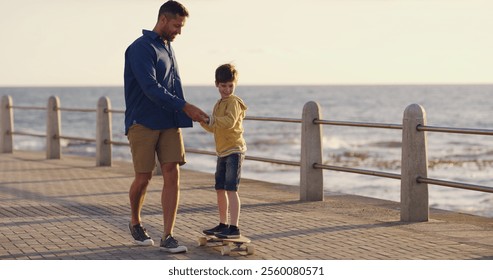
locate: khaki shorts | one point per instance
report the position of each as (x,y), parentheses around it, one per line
(146,143)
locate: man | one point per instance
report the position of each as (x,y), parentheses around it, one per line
(155,112)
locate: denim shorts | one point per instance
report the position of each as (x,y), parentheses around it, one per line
(228,172)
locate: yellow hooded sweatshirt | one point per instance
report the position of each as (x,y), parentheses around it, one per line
(226,123)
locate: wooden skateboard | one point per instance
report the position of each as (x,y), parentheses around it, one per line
(228,245)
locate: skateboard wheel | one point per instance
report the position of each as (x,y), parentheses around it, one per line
(225,250)
(202,241)
(250,249)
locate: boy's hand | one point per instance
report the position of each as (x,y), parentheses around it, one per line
(195,113)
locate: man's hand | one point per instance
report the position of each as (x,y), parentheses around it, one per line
(195,113)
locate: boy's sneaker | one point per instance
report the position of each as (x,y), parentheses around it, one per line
(170,244)
(140,235)
(216,229)
(229,232)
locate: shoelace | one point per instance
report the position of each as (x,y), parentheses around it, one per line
(171,242)
(141,231)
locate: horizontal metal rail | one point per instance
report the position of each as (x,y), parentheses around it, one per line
(77,110)
(75,138)
(271,119)
(26,133)
(59,137)
(114,111)
(251,118)
(56,137)
(358,171)
(358,124)
(27,107)
(276,161)
(451,184)
(61,109)
(117,143)
(269,160)
(202,152)
(455,130)
(456,185)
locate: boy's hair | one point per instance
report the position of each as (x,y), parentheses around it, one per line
(226,73)
(172,9)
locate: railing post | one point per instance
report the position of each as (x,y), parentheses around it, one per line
(6,125)
(414,195)
(53,129)
(103,132)
(311,179)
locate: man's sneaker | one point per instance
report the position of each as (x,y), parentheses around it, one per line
(140,235)
(229,233)
(214,230)
(170,244)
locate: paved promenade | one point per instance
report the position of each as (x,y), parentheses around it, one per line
(70,209)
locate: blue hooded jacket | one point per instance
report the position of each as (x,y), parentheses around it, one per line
(153,90)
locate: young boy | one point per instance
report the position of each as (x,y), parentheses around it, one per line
(226,122)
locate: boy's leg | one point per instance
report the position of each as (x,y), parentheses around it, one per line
(231,184)
(222,200)
(234,207)
(222,205)
(233,172)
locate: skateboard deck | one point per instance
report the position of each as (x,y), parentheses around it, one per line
(228,245)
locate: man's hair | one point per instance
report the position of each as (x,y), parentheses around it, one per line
(226,73)
(172,9)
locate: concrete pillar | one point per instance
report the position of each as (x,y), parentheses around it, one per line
(311,179)
(6,125)
(414,195)
(103,132)
(53,129)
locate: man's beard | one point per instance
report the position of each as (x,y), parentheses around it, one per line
(167,37)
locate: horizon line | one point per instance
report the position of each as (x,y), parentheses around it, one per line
(263,85)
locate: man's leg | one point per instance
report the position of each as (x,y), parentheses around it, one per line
(171,154)
(169,200)
(137,195)
(170,195)
(142,142)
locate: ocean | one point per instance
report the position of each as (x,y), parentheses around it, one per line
(453,157)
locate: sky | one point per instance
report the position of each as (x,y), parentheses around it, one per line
(271,42)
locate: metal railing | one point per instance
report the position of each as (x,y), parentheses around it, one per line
(56,136)
(398,176)
(413,177)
